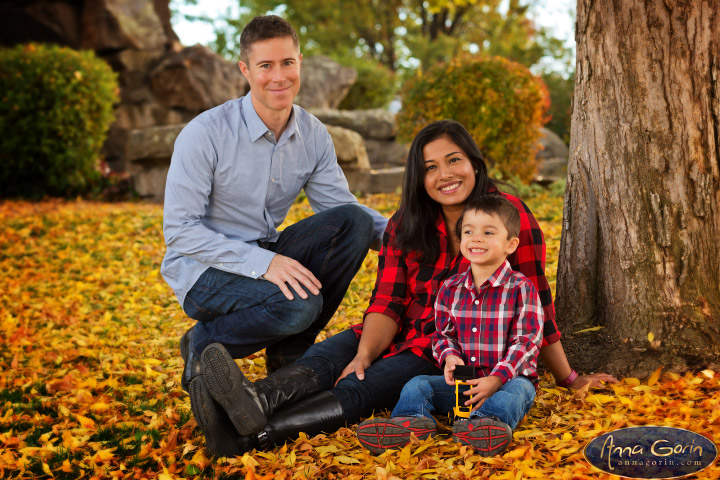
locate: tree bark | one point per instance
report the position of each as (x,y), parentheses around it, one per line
(640,248)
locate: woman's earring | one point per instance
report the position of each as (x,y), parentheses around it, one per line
(476,172)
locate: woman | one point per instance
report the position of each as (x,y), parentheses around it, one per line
(363,369)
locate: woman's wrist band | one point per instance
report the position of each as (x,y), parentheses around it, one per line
(569,380)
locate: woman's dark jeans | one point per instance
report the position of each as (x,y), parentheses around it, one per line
(384,379)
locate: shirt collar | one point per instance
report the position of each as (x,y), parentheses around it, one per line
(257,128)
(500,277)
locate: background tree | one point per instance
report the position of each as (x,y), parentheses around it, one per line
(640,249)
(402,33)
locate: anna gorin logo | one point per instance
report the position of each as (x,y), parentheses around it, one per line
(651,452)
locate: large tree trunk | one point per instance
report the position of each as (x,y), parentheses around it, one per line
(640,249)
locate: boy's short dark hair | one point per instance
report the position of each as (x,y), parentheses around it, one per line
(493,205)
(265,27)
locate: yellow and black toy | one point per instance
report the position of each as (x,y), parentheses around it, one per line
(462,374)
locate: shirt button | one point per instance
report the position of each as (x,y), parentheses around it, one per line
(472,359)
(252,273)
(474,329)
(477,302)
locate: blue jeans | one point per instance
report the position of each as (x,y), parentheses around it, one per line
(383,381)
(426,395)
(246,315)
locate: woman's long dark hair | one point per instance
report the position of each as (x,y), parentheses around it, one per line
(418,213)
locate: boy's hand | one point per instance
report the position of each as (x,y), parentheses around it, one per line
(482,389)
(450,362)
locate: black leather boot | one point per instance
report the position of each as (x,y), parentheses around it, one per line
(319,413)
(250,405)
(192,363)
(221,439)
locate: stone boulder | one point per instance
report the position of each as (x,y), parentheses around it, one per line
(552,158)
(349,148)
(196,79)
(375,123)
(386,153)
(377,126)
(40,21)
(148,151)
(118,24)
(324,82)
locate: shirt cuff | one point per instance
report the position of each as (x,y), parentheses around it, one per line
(502,372)
(446,353)
(257,263)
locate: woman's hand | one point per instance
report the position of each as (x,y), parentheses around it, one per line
(592,380)
(378,332)
(357,366)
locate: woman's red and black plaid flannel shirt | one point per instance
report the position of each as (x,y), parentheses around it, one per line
(405,290)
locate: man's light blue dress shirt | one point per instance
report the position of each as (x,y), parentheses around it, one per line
(231,184)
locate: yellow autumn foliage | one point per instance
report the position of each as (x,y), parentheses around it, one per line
(90,369)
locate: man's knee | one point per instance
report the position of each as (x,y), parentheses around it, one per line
(297,315)
(357,220)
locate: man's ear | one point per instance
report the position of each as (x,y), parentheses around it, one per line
(243,68)
(512,245)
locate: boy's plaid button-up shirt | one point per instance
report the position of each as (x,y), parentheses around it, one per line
(497,329)
(405,290)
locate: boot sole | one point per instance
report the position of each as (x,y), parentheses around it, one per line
(488,437)
(235,393)
(219,439)
(381,434)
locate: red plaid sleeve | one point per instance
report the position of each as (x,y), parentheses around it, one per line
(445,337)
(524,336)
(390,295)
(529,259)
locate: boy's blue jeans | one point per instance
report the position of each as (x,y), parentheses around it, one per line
(426,395)
(247,315)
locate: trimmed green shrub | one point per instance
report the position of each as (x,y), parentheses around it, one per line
(56,105)
(500,103)
(375,86)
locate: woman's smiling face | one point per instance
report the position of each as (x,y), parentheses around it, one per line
(449,174)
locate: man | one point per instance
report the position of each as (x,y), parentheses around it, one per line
(235,172)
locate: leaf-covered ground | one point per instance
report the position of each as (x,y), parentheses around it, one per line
(90,369)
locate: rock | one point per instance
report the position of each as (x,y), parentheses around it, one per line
(552,159)
(118,24)
(196,79)
(384,180)
(553,146)
(349,148)
(324,82)
(148,179)
(132,67)
(148,150)
(152,142)
(386,153)
(376,123)
(40,21)
(162,10)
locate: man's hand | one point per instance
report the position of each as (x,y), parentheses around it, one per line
(357,365)
(450,362)
(284,271)
(483,388)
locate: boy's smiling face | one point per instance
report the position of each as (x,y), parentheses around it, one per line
(484,239)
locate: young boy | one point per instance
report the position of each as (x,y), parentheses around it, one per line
(489,317)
